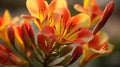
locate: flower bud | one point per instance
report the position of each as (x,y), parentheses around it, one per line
(76,54)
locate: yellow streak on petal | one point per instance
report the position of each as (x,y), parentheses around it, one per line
(37,24)
(58,28)
(19,40)
(87,4)
(72,37)
(51,21)
(4,37)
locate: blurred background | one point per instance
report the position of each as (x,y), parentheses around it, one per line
(112,27)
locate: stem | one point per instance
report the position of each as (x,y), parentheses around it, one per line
(46,62)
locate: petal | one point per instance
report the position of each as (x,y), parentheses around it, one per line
(27,17)
(52,7)
(63,2)
(27,34)
(29,30)
(80,8)
(75,24)
(17,60)
(83,36)
(81,20)
(35,7)
(4,48)
(45,43)
(5,20)
(62,14)
(1,21)
(90,54)
(6,17)
(87,4)
(49,32)
(95,7)
(99,40)
(61,17)
(19,44)
(92,5)
(42,43)
(4,55)
(55,5)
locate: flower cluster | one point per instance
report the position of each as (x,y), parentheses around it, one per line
(50,36)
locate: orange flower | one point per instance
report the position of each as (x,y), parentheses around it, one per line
(42,12)
(56,22)
(91,8)
(25,45)
(97,47)
(4,24)
(68,30)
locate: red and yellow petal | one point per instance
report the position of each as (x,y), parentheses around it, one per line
(81,20)
(84,36)
(75,24)
(100,43)
(91,53)
(37,8)
(49,32)
(61,17)
(19,38)
(5,21)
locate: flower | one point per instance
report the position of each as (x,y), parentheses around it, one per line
(57,38)
(57,23)
(4,24)
(73,30)
(91,8)
(42,12)
(97,47)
